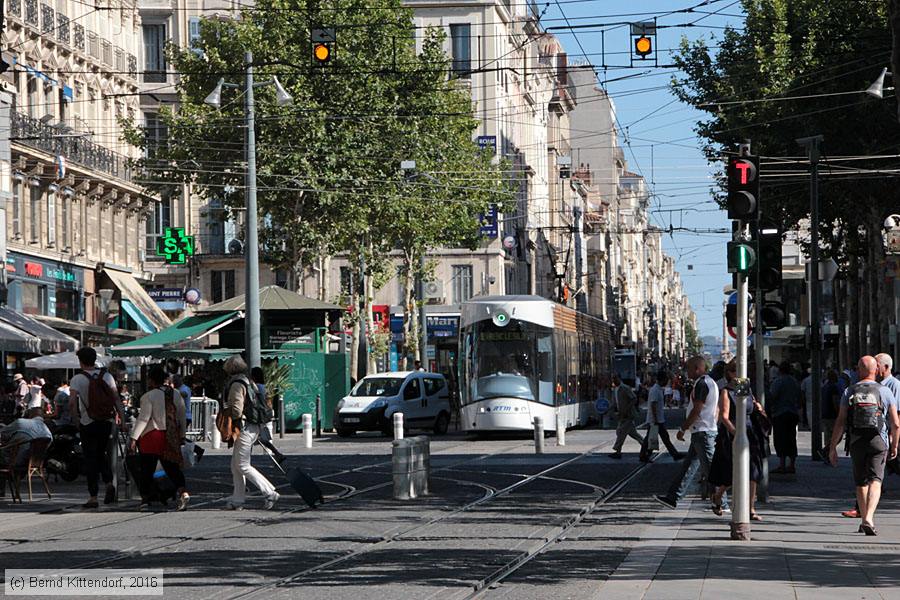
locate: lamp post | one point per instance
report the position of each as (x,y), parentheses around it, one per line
(252,342)
(105,305)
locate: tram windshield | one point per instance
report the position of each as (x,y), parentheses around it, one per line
(514,361)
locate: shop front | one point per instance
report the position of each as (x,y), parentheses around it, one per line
(40,287)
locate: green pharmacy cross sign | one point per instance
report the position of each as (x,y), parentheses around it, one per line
(174,246)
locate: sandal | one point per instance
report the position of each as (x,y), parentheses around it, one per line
(868,529)
(754,516)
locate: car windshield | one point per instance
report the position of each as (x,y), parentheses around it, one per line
(378,386)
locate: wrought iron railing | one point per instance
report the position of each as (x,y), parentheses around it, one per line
(106,52)
(62,28)
(78,36)
(93,45)
(59,142)
(48,23)
(132,65)
(15,8)
(31,12)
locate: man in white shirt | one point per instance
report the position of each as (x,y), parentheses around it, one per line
(703,415)
(95,433)
(656,415)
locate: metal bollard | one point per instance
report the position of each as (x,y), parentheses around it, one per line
(398,426)
(538,435)
(280,417)
(307,430)
(401,467)
(216,438)
(318,416)
(560,429)
(421,464)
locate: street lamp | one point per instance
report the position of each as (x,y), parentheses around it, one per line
(106,305)
(876,90)
(251,249)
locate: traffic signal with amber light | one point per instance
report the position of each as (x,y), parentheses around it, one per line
(741,256)
(643,46)
(774,316)
(323,42)
(321,53)
(769,258)
(743,188)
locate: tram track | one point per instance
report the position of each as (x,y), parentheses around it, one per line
(404,534)
(210,533)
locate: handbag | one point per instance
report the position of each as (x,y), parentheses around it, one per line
(653,438)
(188,457)
(226,428)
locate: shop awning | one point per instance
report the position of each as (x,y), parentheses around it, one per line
(51,340)
(179,335)
(133,293)
(69,360)
(219,354)
(132,311)
(13,339)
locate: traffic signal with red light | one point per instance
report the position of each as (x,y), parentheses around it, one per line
(743,188)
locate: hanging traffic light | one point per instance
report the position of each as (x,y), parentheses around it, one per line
(741,256)
(774,316)
(323,43)
(643,46)
(770,250)
(743,188)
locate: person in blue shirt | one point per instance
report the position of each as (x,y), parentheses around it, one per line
(870,448)
(886,377)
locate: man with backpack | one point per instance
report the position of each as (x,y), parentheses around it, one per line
(873,432)
(94,401)
(248,413)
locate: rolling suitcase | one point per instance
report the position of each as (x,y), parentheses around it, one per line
(302,483)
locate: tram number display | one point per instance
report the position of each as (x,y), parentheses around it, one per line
(503,336)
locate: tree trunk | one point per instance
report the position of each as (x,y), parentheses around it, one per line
(356,330)
(372,359)
(884,301)
(410,315)
(852,314)
(872,291)
(324,276)
(863,310)
(894,12)
(839,287)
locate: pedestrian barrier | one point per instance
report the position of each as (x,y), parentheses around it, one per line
(411,466)
(203,419)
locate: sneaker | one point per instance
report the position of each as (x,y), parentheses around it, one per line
(271,500)
(144,507)
(666,501)
(233,506)
(616,455)
(183,501)
(110,496)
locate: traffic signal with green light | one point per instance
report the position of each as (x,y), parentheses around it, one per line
(743,188)
(741,256)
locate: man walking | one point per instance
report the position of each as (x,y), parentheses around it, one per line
(656,415)
(886,377)
(784,406)
(626,413)
(873,429)
(95,402)
(703,414)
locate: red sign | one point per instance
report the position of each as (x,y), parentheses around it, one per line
(34,269)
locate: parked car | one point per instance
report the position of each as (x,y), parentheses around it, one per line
(423,398)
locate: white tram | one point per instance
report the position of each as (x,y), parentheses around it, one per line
(526,356)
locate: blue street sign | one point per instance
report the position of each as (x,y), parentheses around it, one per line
(487,142)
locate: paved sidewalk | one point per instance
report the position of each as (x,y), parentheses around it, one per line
(804,548)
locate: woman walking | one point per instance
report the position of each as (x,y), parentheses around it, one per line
(758,427)
(240,396)
(158,433)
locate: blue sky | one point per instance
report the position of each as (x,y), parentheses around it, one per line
(662,145)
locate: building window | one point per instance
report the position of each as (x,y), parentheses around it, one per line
(461,49)
(222,286)
(35,215)
(462,283)
(154,53)
(51,217)
(32,99)
(34,298)
(67,305)
(155,132)
(159,219)
(281,278)
(194,35)
(66,216)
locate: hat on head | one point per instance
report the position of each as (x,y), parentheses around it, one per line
(17,377)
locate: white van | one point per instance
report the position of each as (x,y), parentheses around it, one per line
(422,397)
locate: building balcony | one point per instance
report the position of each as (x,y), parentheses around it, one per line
(77,150)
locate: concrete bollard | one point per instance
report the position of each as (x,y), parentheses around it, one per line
(560,429)
(538,435)
(398,426)
(216,438)
(401,467)
(307,430)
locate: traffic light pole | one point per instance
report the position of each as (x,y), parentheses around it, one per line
(759,344)
(252,344)
(815,289)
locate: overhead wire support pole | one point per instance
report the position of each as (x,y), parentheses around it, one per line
(251,293)
(815,289)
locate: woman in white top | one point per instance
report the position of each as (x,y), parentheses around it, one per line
(158,432)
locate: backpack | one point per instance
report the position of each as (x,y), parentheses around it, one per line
(864,410)
(256,409)
(101,400)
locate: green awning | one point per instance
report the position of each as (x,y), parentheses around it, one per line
(182,334)
(219,354)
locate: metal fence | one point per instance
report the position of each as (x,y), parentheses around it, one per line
(203,418)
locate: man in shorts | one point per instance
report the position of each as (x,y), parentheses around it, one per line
(873,436)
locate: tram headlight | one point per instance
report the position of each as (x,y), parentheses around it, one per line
(500,318)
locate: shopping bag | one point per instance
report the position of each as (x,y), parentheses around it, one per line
(653,438)
(188,458)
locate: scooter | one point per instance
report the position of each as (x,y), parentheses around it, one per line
(64,456)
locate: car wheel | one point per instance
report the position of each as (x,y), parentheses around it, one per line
(345,433)
(441,424)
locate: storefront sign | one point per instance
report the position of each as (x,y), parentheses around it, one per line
(442,326)
(62,274)
(168,298)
